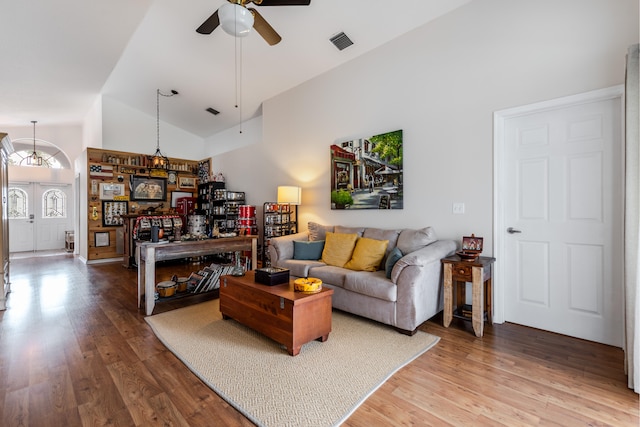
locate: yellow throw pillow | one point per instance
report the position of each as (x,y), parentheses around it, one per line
(367,254)
(338,248)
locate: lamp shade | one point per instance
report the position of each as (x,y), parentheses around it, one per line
(289,194)
(235,19)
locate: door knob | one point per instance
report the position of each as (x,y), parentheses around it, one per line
(512,230)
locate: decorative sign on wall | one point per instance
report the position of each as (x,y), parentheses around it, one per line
(101,238)
(366,173)
(148,189)
(112,213)
(109,191)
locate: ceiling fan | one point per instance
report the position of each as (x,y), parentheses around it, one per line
(237,19)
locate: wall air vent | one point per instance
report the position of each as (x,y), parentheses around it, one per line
(341,41)
(213,111)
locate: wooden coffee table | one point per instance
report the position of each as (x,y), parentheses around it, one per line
(287,317)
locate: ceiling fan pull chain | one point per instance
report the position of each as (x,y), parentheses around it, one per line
(240,88)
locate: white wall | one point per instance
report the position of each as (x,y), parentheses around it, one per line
(127,129)
(249,133)
(440,84)
(92,126)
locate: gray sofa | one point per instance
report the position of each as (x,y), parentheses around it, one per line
(412,293)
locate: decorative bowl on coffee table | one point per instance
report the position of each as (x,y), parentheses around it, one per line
(307,285)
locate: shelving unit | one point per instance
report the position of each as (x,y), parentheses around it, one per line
(220,206)
(277,220)
(207,201)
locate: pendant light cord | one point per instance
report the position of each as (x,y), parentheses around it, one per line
(238,65)
(158,93)
(34,136)
(157,119)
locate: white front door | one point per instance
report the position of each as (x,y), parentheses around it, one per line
(21,217)
(39,215)
(53,215)
(560,216)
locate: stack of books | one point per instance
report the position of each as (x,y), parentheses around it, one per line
(466,310)
(208,278)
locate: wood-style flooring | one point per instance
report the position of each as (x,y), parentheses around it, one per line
(76,351)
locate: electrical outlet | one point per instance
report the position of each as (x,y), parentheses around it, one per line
(458,208)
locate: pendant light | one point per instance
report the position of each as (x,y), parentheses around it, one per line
(159,160)
(34,159)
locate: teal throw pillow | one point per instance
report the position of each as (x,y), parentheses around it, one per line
(308,250)
(392,258)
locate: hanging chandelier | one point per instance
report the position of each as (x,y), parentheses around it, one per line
(159,160)
(34,159)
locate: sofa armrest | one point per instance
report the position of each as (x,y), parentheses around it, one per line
(430,253)
(282,247)
(418,277)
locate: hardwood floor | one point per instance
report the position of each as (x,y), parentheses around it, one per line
(75,351)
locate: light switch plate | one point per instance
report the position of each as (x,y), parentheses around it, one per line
(458,208)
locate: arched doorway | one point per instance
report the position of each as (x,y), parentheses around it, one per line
(40,198)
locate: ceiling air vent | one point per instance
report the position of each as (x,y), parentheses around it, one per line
(341,41)
(213,111)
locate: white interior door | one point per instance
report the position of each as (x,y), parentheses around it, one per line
(21,217)
(561,226)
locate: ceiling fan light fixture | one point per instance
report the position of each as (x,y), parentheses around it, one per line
(235,20)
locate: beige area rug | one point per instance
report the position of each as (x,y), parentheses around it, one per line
(321,386)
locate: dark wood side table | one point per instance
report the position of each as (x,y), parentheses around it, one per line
(480,273)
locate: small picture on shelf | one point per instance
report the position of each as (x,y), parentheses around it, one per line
(471,248)
(472,243)
(186,182)
(127,169)
(158,173)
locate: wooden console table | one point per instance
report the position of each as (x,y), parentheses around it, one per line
(479,272)
(149,253)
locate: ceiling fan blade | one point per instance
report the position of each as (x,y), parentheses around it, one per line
(264,29)
(282,2)
(210,24)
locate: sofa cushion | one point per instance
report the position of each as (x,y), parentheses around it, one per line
(349,230)
(330,274)
(308,250)
(382,234)
(367,254)
(373,284)
(392,258)
(338,248)
(412,240)
(297,267)
(317,231)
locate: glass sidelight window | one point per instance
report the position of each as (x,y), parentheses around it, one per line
(18,203)
(54,204)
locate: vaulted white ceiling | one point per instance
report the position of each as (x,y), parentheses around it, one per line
(59,56)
